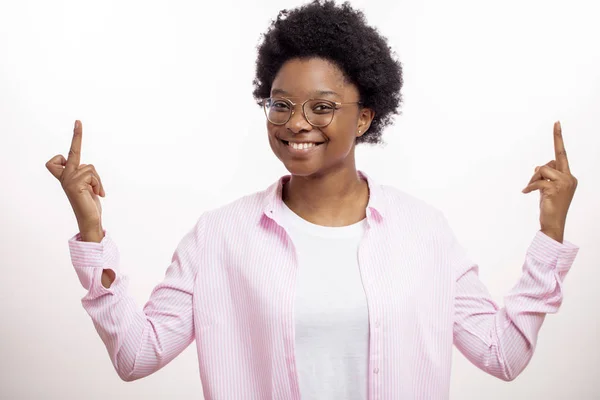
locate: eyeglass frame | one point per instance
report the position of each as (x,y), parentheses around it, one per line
(337,104)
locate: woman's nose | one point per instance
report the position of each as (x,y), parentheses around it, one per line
(298,122)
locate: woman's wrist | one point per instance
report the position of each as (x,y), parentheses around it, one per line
(92,234)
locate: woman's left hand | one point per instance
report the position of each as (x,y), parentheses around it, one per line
(557,187)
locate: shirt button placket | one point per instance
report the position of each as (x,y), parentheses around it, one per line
(375,369)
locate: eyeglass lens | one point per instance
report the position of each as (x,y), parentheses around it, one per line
(318,112)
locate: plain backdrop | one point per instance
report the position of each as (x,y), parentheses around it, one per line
(164,91)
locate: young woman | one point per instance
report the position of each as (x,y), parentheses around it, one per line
(326,285)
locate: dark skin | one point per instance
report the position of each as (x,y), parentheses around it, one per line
(325,187)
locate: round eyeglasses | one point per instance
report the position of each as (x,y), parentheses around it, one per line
(318,112)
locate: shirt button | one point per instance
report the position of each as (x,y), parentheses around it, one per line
(376,370)
(377,323)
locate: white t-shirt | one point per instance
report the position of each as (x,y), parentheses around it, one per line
(331,315)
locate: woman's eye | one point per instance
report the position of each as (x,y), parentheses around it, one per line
(280,105)
(322,107)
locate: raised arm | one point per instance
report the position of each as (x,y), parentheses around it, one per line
(139,340)
(501,341)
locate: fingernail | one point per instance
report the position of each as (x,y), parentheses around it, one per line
(76,124)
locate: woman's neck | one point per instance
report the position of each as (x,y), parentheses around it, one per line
(337,198)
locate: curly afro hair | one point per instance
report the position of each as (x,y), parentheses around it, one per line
(340,35)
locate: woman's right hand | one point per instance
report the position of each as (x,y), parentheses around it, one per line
(81,184)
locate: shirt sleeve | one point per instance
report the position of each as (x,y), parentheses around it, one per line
(139,340)
(501,341)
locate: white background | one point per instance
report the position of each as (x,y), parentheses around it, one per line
(154,83)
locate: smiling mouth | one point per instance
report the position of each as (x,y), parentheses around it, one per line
(301,146)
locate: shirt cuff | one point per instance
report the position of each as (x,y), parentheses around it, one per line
(88,257)
(551,252)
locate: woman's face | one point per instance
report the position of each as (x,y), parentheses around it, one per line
(302,79)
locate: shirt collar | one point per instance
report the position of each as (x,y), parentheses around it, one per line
(273,201)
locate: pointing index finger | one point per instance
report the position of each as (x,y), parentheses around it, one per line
(562,163)
(74,157)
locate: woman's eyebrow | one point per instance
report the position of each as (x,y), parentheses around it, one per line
(327,93)
(281,92)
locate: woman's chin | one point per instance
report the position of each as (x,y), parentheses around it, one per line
(300,168)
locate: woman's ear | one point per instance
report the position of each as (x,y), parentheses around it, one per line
(364,121)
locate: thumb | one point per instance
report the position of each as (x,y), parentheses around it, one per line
(56,165)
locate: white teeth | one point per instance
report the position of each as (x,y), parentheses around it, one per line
(301,146)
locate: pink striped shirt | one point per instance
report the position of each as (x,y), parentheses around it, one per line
(230,287)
